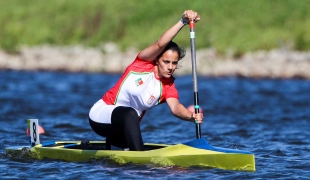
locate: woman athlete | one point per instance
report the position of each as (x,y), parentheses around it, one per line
(147,82)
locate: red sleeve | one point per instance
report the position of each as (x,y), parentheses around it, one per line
(142,63)
(169,92)
(172,92)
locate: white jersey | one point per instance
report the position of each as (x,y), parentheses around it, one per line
(138,88)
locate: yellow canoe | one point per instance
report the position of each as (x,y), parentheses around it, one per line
(194,153)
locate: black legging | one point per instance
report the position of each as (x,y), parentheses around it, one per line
(124,130)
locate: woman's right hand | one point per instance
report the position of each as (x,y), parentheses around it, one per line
(190,15)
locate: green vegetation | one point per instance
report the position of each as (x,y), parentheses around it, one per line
(226,25)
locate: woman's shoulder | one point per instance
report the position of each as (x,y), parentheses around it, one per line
(141,65)
(138,57)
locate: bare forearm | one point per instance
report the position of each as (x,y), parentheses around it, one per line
(167,36)
(182,113)
(151,52)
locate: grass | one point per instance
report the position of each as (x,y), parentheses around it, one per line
(226,25)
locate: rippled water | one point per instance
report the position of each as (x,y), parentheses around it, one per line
(268,117)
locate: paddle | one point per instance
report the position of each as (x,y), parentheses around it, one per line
(194,74)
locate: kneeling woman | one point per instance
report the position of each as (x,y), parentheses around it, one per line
(147,82)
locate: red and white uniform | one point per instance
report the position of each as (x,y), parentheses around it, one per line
(138,88)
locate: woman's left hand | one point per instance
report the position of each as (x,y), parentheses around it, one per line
(198,118)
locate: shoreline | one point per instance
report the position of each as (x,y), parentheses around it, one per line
(277,63)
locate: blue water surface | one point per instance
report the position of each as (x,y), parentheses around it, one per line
(268,117)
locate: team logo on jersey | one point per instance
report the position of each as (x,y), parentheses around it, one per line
(139,82)
(151,100)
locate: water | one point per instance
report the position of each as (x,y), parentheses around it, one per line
(268,117)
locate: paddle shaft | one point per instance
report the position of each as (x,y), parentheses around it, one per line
(194,74)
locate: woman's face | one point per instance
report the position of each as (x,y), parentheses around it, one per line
(167,63)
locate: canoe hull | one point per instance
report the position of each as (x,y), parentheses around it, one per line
(194,153)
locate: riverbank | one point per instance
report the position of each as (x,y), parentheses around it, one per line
(277,63)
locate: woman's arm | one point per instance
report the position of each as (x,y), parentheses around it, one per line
(151,52)
(181,112)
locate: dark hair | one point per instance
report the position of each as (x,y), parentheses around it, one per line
(174,47)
